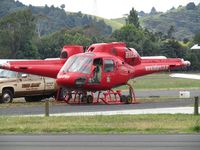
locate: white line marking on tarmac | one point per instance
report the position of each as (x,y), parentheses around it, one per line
(174,110)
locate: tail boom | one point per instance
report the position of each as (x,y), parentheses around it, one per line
(48,68)
(149,66)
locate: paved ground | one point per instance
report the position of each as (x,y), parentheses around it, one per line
(64,108)
(100,142)
(163,93)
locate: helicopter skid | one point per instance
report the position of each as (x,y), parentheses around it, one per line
(102,97)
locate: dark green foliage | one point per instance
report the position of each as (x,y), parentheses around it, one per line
(193,56)
(170,32)
(141,13)
(185,40)
(8,6)
(51,19)
(133,18)
(142,40)
(41,32)
(16,33)
(131,35)
(153,11)
(197,38)
(172,48)
(51,45)
(62,6)
(54,19)
(33,32)
(191,6)
(196,128)
(151,45)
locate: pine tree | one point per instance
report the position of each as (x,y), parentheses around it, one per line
(133,18)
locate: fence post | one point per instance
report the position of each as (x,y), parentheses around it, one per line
(47,108)
(196,105)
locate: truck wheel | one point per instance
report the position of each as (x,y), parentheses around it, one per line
(7,96)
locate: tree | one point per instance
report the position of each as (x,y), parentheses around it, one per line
(133,18)
(193,57)
(196,38)
(153,11)
(17,31)
(170,32)
(145,42)
(131,35)
(51,45)
(191,6)
(172,48)
(62,6)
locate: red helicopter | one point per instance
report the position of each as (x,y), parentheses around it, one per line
(101,68)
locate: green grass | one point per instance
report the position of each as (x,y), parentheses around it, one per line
(115,24)
(120,20)
(138,124)
(162,81)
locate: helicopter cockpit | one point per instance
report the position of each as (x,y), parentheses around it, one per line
(81,64)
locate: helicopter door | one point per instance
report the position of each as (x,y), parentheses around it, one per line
(97,72)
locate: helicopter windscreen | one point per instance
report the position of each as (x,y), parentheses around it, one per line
(80,64)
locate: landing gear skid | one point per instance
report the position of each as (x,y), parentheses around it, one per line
(101,97)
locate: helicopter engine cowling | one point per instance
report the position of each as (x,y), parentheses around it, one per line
(69,50)
(132,57)
(118,49)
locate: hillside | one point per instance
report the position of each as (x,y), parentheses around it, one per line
(185,20)
(51,19)
(114,23)
(9,6)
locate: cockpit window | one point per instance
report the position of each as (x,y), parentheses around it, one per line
(80,64)
(108,65)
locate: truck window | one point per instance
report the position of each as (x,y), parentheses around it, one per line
(19,75)
(8,74)
(35,77)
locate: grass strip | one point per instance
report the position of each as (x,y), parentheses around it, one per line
(119,124)
(163,81)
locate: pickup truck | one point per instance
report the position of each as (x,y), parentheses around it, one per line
(31,87)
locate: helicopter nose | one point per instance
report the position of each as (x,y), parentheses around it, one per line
(71,80)
(186,63)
